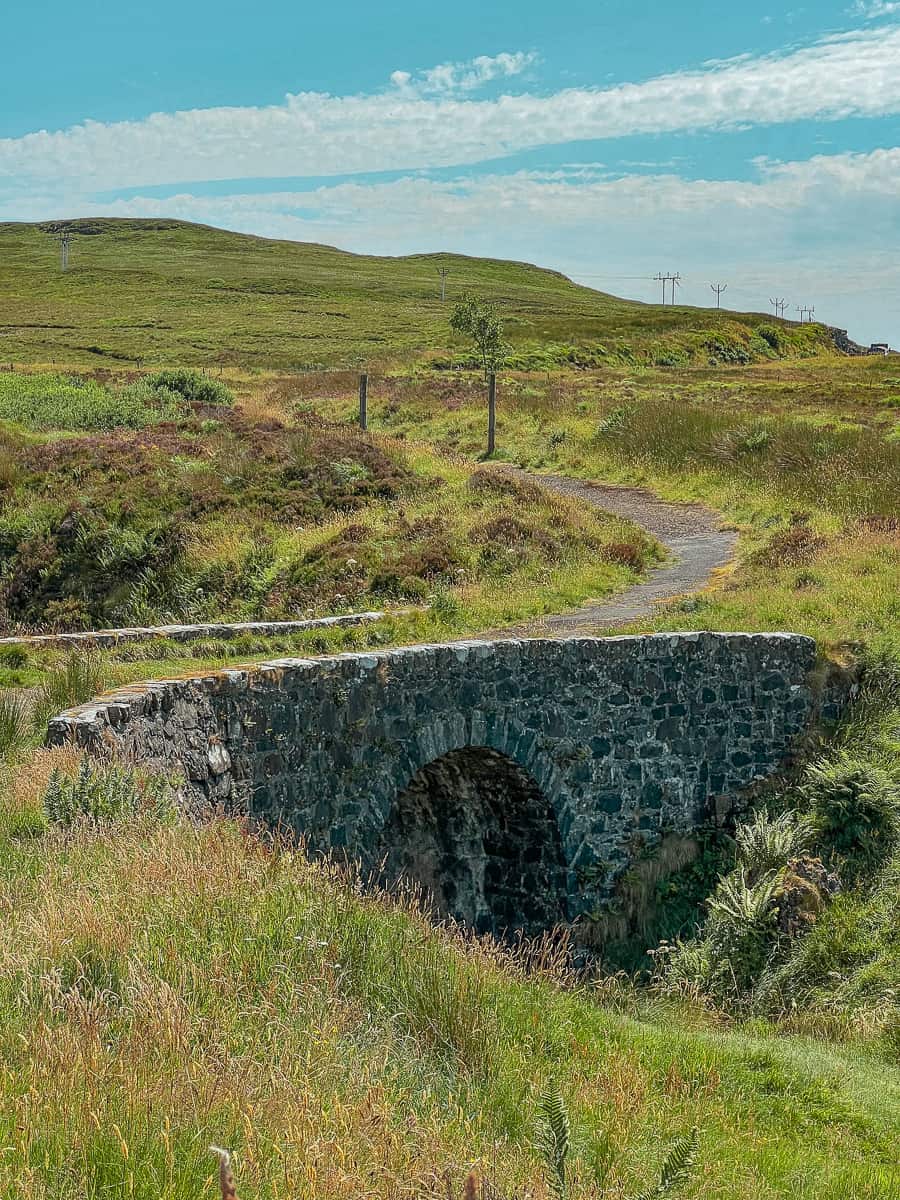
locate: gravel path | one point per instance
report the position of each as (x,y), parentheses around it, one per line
(690,532)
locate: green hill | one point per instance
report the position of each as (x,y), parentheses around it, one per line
(153,291)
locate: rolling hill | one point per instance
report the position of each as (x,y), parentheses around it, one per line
(152,291)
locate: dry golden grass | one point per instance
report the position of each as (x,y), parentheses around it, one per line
(165,988)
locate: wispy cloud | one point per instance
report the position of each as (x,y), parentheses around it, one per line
(872,9)
(313,134)
(465,76)
(578,204)
(581,219)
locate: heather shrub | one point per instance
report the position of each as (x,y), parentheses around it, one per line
(193,386)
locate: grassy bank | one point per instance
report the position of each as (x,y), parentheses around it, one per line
(165,987)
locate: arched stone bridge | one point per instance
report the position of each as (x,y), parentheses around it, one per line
(514,779)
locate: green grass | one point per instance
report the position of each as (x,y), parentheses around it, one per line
(806,470)
(141,292)
(68,402)
(165,987)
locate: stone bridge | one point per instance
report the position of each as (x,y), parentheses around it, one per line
(515,780)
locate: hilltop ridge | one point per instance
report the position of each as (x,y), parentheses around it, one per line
(158,290)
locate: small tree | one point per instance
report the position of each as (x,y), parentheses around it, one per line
(481,322)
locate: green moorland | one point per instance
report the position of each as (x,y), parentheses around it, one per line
(156,292)
(164,987)
(207,511)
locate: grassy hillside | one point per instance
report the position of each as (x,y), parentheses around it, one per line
(144,291)
(165,987)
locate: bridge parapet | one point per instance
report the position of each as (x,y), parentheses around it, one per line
(491,771)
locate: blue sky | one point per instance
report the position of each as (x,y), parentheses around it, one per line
(756,145)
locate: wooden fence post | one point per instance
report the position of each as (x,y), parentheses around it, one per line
(363,401)
(492,411)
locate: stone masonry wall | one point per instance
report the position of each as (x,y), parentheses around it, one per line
(626,738)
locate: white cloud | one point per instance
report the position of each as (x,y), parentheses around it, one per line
(465,76)
(314,134)
(872,9)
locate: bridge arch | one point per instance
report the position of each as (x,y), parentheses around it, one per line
(478,833)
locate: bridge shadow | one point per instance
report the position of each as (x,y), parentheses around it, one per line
(477,833)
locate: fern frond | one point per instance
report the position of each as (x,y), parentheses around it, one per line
(740,901)
(677,1168)
(766,843)
(553,1140)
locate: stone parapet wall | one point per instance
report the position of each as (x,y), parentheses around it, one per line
(626,738)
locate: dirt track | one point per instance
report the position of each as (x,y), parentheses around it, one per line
(691,533)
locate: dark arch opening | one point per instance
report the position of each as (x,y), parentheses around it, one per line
(475,831)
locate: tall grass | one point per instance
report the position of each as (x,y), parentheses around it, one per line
(50,401)
(79,677)
(165,987)
(15,723)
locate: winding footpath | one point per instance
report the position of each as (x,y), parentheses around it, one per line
(690,532)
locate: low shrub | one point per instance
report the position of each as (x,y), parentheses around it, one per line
(624,554)
(493,482)
(796,546)
(724,351)
(771,335)
(855,808)
(193,386)
(51,401)
(13,658)
(106,794)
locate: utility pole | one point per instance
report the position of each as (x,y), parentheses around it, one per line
(719,288)
(492,412)
(443,272)
(675,281)
(779,305)
(64,239)
(363,402)
(806,314)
